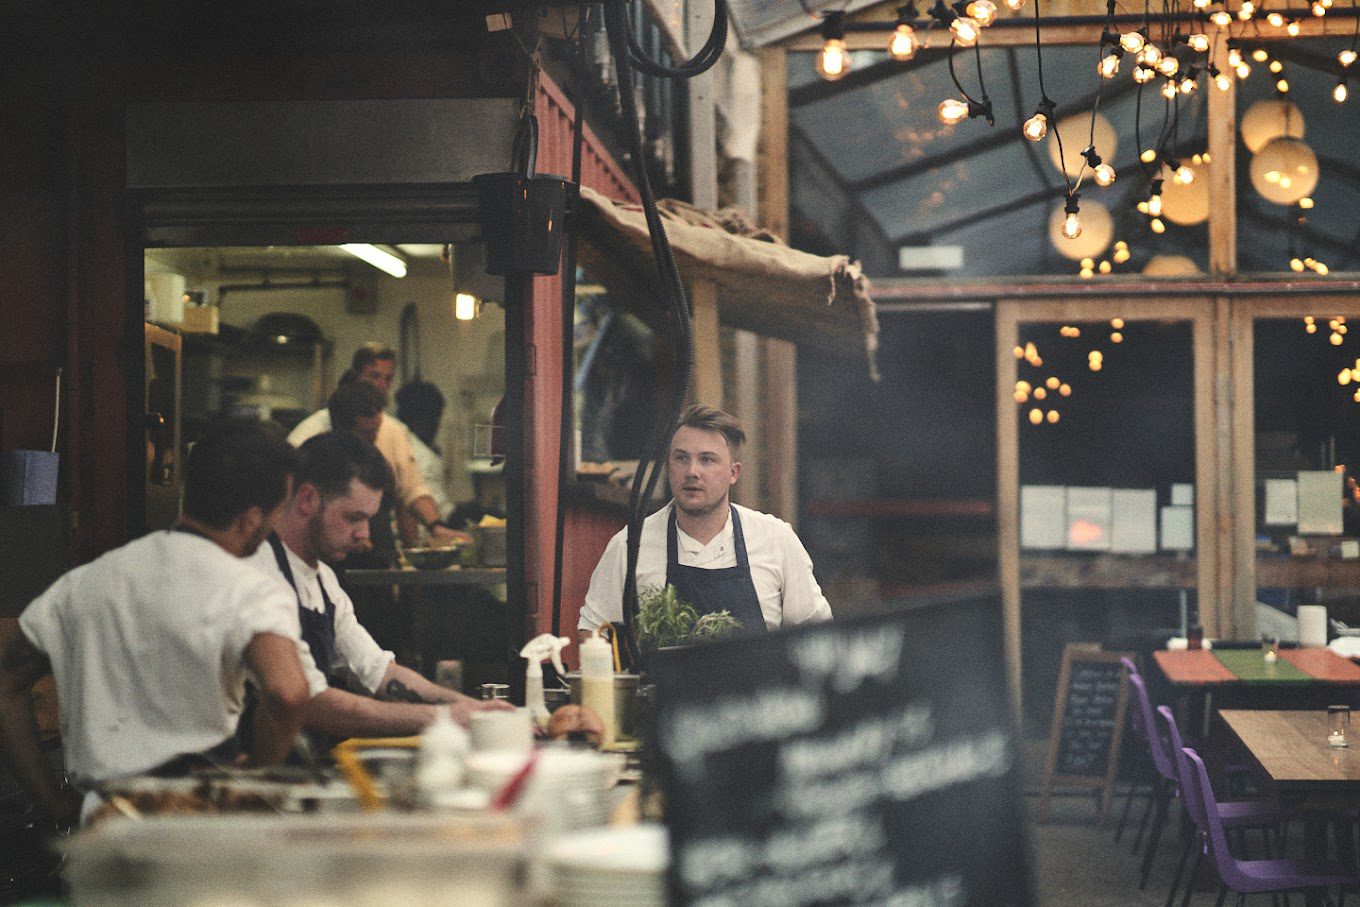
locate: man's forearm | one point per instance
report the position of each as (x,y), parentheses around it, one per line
(21,753)
(342,714)
(401,684)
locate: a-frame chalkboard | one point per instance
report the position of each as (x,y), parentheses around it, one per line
(1088,724)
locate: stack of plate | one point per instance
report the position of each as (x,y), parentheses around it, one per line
(611,867)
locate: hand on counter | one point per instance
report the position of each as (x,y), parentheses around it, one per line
(443,534)
(462,709)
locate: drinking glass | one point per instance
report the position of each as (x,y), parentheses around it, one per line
(1338,723)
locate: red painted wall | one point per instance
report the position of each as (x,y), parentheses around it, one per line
(587,529)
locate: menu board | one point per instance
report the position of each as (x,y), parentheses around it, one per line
(866,761)
(1088,724)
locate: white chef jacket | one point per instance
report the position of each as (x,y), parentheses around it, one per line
(393,441)
(355,648)
(431,467)
(147,646)
(780,568)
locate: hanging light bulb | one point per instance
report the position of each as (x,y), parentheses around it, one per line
(1318,9)
(1071,227)
(1293,28)
(1222,81)
(833,61)
(1105,267)
(1198,42)
(1346,57)
(1121,253)
(1108,66)
(1148,155)
(1275,20)
(1036,127)
(1234,57)
(1282,86)
(1188,85)
(1246,10)
(1243,71)
(1275,65)
(1168,89)
(1322,272)
(1306,202)
(1339,93)
(1132,41)
(1157,226)
(1150,55)
(1221,18)
(1296,264)
(982,11)
(966,31)
(1143,74)
(1201,4)
(905,42)
(953,111)
(1104,175)
(1183,176)
(1015,5)
(1155,199)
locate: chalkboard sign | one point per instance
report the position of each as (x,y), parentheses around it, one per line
(1088,724)
(864,761)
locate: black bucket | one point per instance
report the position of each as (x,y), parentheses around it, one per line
(522,212)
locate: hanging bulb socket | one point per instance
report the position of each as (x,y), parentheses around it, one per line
(833,61)
(904,42)
(1036,127)
(1089,155)
(1071,227)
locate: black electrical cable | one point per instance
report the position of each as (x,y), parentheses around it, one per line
(564,443)
(672,291)
(702,60)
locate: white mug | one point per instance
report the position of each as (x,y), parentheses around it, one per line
(510,731)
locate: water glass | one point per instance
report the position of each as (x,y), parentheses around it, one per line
(1338,723)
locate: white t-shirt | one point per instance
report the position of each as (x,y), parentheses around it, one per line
(780,568)
(393,441)
(432,471)
(355,648)
(147,646)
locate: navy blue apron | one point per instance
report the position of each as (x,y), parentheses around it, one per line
(724,589)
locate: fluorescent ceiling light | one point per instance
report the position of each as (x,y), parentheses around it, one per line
(378,257)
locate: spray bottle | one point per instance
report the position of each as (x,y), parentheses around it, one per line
(439,766)
(536,650)
(597,683)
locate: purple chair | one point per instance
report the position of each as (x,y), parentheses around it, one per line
(1166,783)
(1234,814)
(1138,786)
(1251,876)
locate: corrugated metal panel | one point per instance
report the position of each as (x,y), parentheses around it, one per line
(761,22)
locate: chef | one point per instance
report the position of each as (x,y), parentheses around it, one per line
(338,487)
(150,644)
(376,365)
(718,555)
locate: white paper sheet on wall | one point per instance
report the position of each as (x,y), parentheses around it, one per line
(1183,494)
(1320,502)
(1043,517)
(1178,528)
(1134,523)
(1088,519)
(1282,502)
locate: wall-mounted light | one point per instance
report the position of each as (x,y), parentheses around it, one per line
(465,306)
(383,259)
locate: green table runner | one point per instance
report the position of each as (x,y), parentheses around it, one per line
(1249,665)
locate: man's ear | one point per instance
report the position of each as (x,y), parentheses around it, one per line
(307,500)
(248,521)
(736,472)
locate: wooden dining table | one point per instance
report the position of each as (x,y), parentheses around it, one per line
(1290,753)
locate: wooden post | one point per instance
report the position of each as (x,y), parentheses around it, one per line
(1222,138)
(708,379)
(1006,326)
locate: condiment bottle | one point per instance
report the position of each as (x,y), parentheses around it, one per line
(1194,637)
(597,683)
(439,764)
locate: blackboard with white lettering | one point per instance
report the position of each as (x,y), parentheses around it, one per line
(1088,724)
(866,761)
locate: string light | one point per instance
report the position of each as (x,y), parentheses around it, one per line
(1293,28)
(1221,18)
(1109,65)
(834,60)
(1104,175)
(1168,66)
(905,42)
(1340,92)
(1155,199)
(953,111)
(1036,127)
(1246,10)
(1275,19)
(1199,42)
(1318,8)
(1157,226)
(1133,41)
(1346,57)
(983,12)
(1015,5)
(1071,227)
(1168,89)
(1150,55)
(965,30)
(1121,252)
(1144,74)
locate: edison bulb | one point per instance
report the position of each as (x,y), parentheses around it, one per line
(1065,390)
(1293,28)
(1021,397)
(1087,263)
(1310,328)
(1282,86)
(1201,4)
(1242,70)
(1234,56)
(1023,386)
(1143,74)
(1150,55)
(1052,382)
(904,43)
(1155,205)
(1343,377)
(983,11)
(1132,41)
(1183,176)
(1086,273)
(1275,20)
(1105,267)
(834,60)
(1335,339)
(1322,272)
(1188,86)
(1036,127)
(1275,65)
(966,31)
(1053,417)
(1221,18)
(1246,10)
(1222,81)
(1104,174)
(1157,226)
(1015,5)
(1094,365)
(953,111)
(1019,353)
(1168,66)
(1339,93)
(1036,416)
(1296,264)
(1071,227)
(1116,337)
(1198,42)
(1318,9)
(1148,155)
(1121,255)
(1346,57)
(1168,90)
(1108,67)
